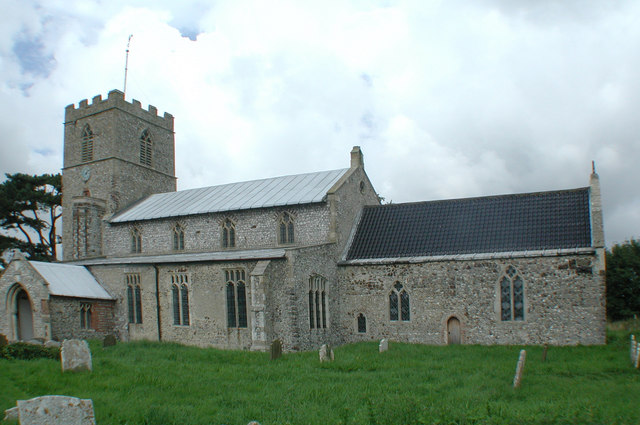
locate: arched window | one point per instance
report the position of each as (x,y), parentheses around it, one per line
(286,235)
(236,299)
(86,148)
(228,234)
(178,238)
(317,302)
(85,316)
(180,298)
(136,241)
(184,296)
(175,292)
(146,145)
(399,303)
(362,323)
(511,295)
(134,297)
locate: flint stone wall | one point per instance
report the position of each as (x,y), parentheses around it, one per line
(564,301)
(65,318)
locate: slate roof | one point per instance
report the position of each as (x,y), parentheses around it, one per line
(70,281)
(506,223)
(278,191)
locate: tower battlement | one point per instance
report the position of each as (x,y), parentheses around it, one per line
(115,100)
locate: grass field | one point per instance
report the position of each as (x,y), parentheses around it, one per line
(153,383)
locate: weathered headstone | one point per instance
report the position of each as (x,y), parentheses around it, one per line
(276,349)
(384,345)
(632,351)
(56,409)
(326,353)
(11,414)
(75,355)
(519,369)
(3,340)
(109,341)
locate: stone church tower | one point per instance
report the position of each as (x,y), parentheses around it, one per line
(115,153)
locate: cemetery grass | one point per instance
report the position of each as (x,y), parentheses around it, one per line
(162,383)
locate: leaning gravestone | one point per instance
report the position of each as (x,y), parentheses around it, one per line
(326,353)
(109,341)
(56,409)
(384,345)
(75,355)
(519,369)
(276,349)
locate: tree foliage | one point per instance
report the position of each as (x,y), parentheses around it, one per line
(29,209)
(623,280)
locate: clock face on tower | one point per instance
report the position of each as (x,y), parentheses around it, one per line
(86,173)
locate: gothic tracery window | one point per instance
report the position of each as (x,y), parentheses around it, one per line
(178,238)
(136,241)
(317,302)
(146,145)
(86,148)
(85,316)
(236,298)
(286,234)
(134,297)
(399,303)
(511,296)
(228,234)
(180,298)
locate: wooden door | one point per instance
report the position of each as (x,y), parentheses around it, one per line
(25,317)
(453,331)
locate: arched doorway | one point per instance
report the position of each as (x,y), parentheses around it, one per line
(453,331)
(24,316)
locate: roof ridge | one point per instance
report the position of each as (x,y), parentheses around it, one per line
(496,196)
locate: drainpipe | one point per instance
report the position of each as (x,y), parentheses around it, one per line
(158,302)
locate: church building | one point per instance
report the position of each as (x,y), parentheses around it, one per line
(307,259)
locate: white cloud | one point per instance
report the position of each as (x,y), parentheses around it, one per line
(446,100)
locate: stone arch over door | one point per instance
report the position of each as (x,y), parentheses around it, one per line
(454,331)
(20,307)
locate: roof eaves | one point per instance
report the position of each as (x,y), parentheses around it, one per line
(469,257)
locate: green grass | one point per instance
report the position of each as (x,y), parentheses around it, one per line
(153,383)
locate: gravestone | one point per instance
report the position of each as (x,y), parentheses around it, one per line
(56,409)
(109,341)
(75,355)
(276,349)
(326,353)
(544,352)
(384,345)
(3,340)
(519,369)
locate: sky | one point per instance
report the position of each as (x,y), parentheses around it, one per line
(447,99)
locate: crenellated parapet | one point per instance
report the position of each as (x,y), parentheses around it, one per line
(116,100)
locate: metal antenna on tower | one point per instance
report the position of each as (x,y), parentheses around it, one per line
(126,65)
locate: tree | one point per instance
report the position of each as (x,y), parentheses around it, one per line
(623,280)
(29,209)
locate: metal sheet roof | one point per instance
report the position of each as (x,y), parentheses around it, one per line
(254,254)
(278,191)
(68,280)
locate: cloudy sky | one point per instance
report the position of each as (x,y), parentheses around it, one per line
(447,99)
